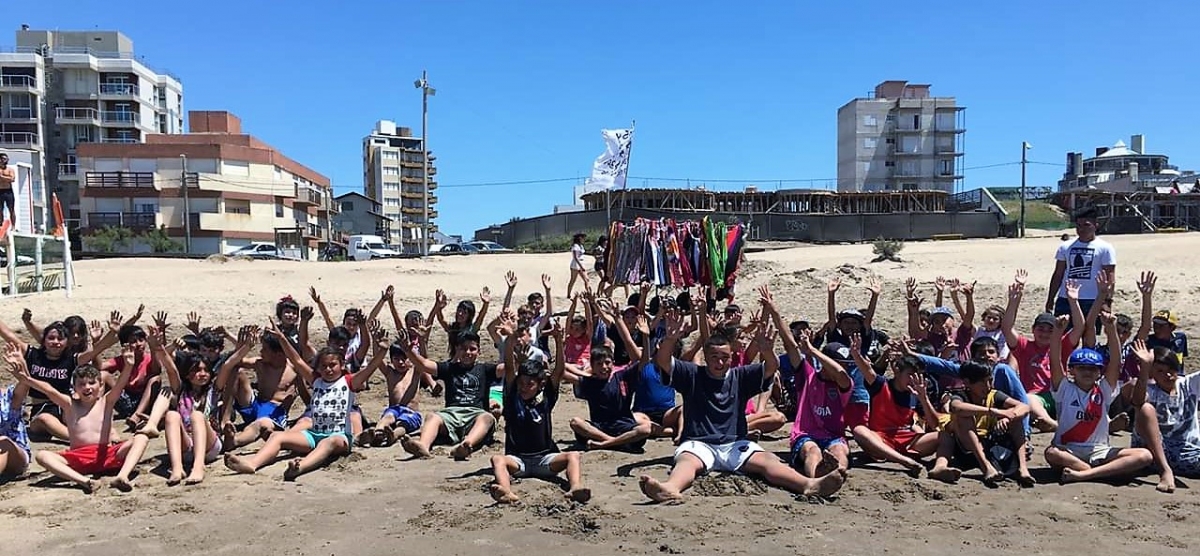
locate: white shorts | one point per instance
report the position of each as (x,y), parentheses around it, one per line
(728,458)
(213,453)
(1092,455)
(537,467)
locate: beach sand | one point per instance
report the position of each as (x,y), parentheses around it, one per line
(377,501)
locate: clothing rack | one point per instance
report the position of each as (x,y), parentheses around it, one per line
(669,253)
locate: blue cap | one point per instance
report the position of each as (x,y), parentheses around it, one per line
(942,311)
(1086,357)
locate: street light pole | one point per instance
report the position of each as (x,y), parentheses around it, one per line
(426,92)
(187,212)
(1025,146)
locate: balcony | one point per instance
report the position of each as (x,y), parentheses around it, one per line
(131,220)
(18,84)
(120,118)
(951,130)
(120,90)
(432,198)
(19,115)
(133,180)
(84,116)
(68,170)
(330,206)
(120,140)
(433,170)
(432,185)
(902,152)
(948,150)
(308,196)
(311,231)
(20,140)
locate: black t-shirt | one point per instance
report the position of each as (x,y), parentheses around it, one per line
(55,372)
(714,409)
(610,401)
(873,341)
(527,428)
(620,351)
(466,386)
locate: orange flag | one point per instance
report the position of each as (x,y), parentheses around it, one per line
(58,215)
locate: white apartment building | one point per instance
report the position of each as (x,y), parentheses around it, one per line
(900,138)
(393,167)
(22,103)
(93,89)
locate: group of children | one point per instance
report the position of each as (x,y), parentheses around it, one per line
(947,396)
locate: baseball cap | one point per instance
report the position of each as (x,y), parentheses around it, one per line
(1086,357)
(943,311)
(837,352)
(628,308)
(733,308)
(1167,316)
(851,314)
(1045,318)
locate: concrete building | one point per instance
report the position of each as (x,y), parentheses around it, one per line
(900,138)
(240,189)
(22,103)
(1125,169)
(92,88)
(361,215)
(393,166)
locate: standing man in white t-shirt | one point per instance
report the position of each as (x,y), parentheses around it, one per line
(1081,259)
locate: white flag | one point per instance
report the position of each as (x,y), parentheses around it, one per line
(609,169)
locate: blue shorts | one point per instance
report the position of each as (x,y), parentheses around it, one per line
(259,409)
(404,416)
(315,438)
(823,444)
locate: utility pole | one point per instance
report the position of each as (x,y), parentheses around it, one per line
(426,92)
(187,208)
(1025,146)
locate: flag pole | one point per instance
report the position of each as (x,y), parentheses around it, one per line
(625,177)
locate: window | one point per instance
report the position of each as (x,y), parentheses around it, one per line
(869,143)
(392,202)
(890,164)
(237,206)
(870,120)
(909,168)
(347,205)
(866,167)
(391,155)
(145,208)
(947,167)
(909,144)
(278,210)
(278,174)
(391,171)
(391,187)
(916,121)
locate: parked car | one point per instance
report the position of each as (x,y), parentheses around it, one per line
(22,260)
(369,248)
(456,249)
(256,250)
(488,247)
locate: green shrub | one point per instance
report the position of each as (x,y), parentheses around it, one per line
(558,244)
(160,242)
(108,239)
(887,249)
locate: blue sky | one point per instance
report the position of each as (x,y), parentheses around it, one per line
(746,91)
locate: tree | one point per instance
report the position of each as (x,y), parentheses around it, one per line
(108,239)
(160,242)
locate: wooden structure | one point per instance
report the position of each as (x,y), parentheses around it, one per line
(1139,211)
(752,201)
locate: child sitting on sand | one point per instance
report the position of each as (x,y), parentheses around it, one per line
(136,399)
(529,447)
(891,433)
(985,425)
(402,413)
(821,397)
(1165,420)
(265,409)
(1080,447)
(88,416)
(14,441)
(714,423)
(332,399)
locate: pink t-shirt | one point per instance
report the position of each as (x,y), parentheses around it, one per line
(820,406)
(577,351)
(1033,363)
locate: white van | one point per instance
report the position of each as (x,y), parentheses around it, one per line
(366,248)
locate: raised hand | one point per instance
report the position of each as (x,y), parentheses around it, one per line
(644,288)
(643,324)
(1072,288)
(1021,277)
(875,286)
(388,294)
(546,281)
(856,343)
(1061,322)
(1145,284)
(114,321)
(916,384)
(1015,290)
(138,315)
(510,278)
(16,361)
(127,356)
(96,330)
(835,284)
(375,326)
(910,288)
(1105,286)
(764,338)
(312,292)
(485,295)
(26,316)
(556,330)
(674,323)
(968,289)
(193,322)
(160,321)
(440,299)
(940,284)
(1142,352)
(307,313)
(765,299)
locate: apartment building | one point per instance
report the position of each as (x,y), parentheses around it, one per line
(92,88)
(239,190)
(1125,169)
(361,215)
(22,101)
(393,167)
(900,138)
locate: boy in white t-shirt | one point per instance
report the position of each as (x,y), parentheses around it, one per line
(1081,260)
(1080,446)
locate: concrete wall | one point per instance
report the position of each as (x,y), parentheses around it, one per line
(819,228)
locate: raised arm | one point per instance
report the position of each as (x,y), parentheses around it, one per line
(1077,318)
(312,292)
(298,362)
(764,338)
(114,394)
(420,362)
(1056,352)
(306,316)
(664,357)
(875,286)
(1015,291)
(840,376)
(939,286)
(509,357)
(1145,359)
(510,280)
(1146,287)
(439,304)
(485,301)
(549,308)
(248,336)
(359,380)
(918,389)
(790,346)
(12,339)
(156,341)
(864,366)
(34,330)
(16,365)
(1112,373)
(834,285)
(913,304)
(968,292)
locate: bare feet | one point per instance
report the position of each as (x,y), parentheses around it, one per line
(92,486)
(1069,476)
(581,494)
(415,448)
(827,484)
(228,436)
(135,421)
(1025,480)
(659,492)
(913,469)
(593,445)
(436,390)
(175,478)
(828,464)
(502,495)
(385,437)
(993,479)
(238,465)
(196,477)
(292,471)
(1166,483)
(945,474)
(754,436)
(461,452)
(366,437)
(149,430)
(122,484)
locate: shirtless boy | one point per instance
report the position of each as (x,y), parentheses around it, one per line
(265,410)
(402,412)
(88,415)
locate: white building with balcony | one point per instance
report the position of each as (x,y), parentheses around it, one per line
(93,89)
(22,106)
(394,168)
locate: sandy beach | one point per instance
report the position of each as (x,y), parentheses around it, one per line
(378,501)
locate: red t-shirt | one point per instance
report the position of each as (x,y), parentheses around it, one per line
(577,351)
(141,372)
(1033,362)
